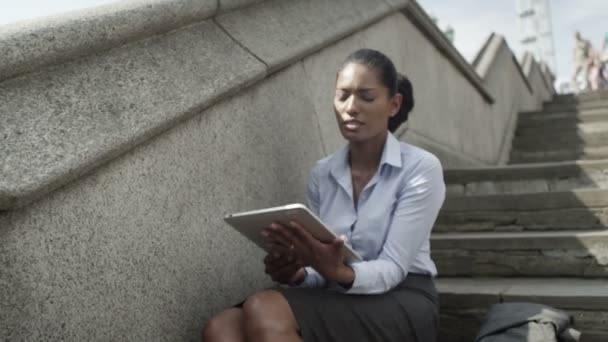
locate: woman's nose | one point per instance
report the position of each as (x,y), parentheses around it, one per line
(352,106)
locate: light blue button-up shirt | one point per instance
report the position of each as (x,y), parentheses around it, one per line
(391,225)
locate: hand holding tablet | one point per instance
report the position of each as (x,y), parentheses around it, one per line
(252,223)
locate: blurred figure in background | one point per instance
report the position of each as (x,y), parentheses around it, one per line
(581,62)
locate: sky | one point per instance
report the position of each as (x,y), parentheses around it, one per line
(473,21)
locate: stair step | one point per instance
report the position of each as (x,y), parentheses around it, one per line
(572,98)
(543,211)
(541,142)
(575,129)
(533,254)
(585,105)
(542,118)
(526,178)
(465,301)
(586,153)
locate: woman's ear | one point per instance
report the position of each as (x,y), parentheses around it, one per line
(395,104)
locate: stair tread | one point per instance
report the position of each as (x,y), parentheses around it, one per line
(521,235)
(523,171)
(565,293)
(578,198)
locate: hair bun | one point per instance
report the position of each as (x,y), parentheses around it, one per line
(404,87)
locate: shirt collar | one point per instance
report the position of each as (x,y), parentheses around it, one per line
(391,154)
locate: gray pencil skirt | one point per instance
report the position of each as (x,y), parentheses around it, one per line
(407,313)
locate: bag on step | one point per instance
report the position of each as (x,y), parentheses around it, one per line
(526,322)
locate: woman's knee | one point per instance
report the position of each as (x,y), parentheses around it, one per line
(268,311)
(225,326)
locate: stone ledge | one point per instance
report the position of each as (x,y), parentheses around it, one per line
(523,172)
(585,198)
(61,123)
(549,155)
(423,22)
(280,32)
(563,293)
(30,45)
(517,221)
(522,241)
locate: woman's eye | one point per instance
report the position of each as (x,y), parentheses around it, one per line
(342,96)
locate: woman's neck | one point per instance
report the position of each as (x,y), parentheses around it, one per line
(365,156)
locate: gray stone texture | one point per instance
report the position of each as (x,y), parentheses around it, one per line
(558,254)
(65,121)
(464,303)
(230,5)
(282,31)
(138,250)
(533,220)
(398,4)
(29,45)
(579,198)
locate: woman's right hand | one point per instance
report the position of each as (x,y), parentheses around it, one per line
(284,269)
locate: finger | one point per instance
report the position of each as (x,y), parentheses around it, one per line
(286,235)
(302,234)
(276,248)
(279,233)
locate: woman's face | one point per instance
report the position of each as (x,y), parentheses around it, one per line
(362,103)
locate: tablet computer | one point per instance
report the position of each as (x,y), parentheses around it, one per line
(251,224)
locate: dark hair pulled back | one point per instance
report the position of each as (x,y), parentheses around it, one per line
(389,77)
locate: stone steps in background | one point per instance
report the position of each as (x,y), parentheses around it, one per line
(526,178)
(571,129)
(581,254)
(534,232)
(584,105)
(465,301)
(557,118)
(556,155)
(542,211)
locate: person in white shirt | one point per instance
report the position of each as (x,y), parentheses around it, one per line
(379,195)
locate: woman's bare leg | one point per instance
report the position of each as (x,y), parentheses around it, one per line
(268,318)
(227,326)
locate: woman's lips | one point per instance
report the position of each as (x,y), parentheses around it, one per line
(352,124)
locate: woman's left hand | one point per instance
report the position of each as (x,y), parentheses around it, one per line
(325,257)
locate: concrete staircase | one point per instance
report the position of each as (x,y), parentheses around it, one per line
(533,231)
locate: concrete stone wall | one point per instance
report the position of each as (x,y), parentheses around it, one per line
(118,161)
(137,250)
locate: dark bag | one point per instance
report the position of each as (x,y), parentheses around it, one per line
(526,322)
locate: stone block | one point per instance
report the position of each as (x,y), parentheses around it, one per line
(280,32)
(138,249)
(563,293)
(63,122)
(29,45)
(455,189)
(230,5)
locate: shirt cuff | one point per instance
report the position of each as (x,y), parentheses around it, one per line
(361,283)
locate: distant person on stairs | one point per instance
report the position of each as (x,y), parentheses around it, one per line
(380,195)
(581,62)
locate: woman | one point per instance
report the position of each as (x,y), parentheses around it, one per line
(380,195)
